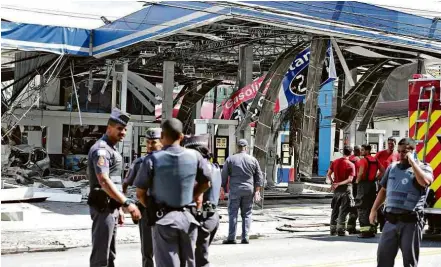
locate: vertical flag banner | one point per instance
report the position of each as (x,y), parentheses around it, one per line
(292,90)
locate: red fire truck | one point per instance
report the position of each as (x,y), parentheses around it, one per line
(425,128)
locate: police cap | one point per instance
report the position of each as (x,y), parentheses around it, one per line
(195,140)
(242,143)
(119,117)
(153,133)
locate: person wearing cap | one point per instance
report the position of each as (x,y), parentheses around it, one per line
(344,172)
(209,218)
(404,188)
(245,180)
(105,197)
(353,214)
(177,177)
(153,144)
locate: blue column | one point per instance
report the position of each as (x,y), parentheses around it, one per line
(325,142)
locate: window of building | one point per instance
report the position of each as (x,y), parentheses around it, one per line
(406,134)
(396,133)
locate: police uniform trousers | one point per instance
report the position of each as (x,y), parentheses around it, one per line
(341,205)
(353,213)
(245,203)
(103,237)
(206,232)
(145,232)
(174,239)
(366,195)
(402,235)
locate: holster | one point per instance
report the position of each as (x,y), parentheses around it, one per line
(99,200)
(208,210)
(151,211)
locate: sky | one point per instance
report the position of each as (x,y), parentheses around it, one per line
(86,14)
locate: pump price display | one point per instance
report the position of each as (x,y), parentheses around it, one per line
(221,146)
(221,142)
(143,145)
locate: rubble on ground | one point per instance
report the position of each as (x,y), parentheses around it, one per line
(62,185)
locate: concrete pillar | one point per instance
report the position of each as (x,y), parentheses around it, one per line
(114,84)
(123,98)
(353,127)
(196,114)
(245,65)
(380,142)
(245,77)
(167,89)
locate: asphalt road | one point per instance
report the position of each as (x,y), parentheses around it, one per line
(278,251)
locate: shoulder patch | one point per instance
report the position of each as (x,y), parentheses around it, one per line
(102,144)
(101,153)
(101,161)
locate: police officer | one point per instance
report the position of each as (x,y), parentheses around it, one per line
(210,218)
(105,198)
(367,178)
(404,188)
(385,158)
(245,182)
(153,144)
(172,174)
(353,214)
(344,173)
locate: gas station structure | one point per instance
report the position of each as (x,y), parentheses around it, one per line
(176,53)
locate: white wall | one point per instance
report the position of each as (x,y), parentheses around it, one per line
(401,125)
(54,121)
(34,138)
(393,124)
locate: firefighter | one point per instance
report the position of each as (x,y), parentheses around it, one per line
(404,187)
(368,173)
(344,173)
(353,214)
(389,155)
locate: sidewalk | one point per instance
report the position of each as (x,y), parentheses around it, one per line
(53,226)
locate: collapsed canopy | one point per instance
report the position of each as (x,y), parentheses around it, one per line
(344,19)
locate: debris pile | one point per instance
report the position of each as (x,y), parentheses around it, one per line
(18,175)
(61,185)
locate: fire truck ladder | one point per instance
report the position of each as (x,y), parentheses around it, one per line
(423,100)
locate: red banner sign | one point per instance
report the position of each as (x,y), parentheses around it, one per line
(240,96)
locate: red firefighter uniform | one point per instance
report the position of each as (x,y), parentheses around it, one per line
(386,157)
(343,200)
(367,192)
(353,214)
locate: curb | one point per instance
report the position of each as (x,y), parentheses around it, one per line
(59,248)
(30,249)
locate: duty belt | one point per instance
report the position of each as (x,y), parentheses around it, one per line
(406,217)
(164,209)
